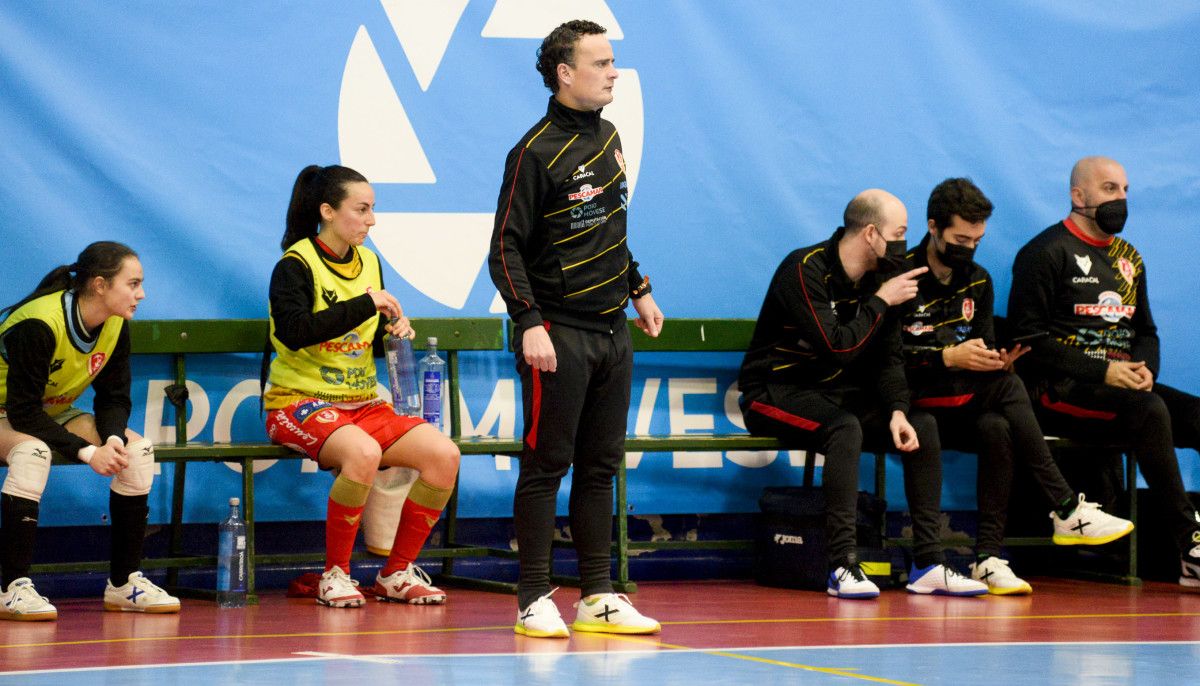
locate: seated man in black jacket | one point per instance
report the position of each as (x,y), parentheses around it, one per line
(824,370)
(1096,374)
(957,375)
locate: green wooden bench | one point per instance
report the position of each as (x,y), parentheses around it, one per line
(181,339)
(733,335)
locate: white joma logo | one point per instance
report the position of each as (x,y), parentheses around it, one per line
(785,539)
(1084,262)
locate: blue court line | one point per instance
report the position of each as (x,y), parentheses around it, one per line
(1028,664)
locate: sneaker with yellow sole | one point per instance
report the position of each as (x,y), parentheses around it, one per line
(612,613)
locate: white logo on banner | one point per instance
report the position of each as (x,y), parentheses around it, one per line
(376,136)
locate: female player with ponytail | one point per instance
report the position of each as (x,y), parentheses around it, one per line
(67,335)
(329,313)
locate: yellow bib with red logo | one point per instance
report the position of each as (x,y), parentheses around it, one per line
(339,370)
(72,367)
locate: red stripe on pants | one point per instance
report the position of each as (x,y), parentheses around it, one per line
(785,417)
(945,401)
(1075,410)
(531,435)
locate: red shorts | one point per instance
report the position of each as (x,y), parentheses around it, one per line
(304,426)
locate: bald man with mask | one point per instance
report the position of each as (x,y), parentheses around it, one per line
(824,371)
(1095,375)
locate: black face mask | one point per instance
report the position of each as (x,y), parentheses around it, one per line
(957,256)
(892,260)
(1110,216)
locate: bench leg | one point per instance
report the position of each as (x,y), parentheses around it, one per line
(623,584)
(451,535)
(1131,488)
(248,502)
(179,477)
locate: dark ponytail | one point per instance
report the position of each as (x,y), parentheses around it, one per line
(102,258)
(315,186)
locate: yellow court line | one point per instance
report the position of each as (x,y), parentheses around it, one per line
(814,620)
(834,671)
(508,627)
(227,637)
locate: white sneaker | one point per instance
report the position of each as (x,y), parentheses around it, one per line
(541,619)
(942,580)
(338,590)
(851,582)
(411,585)
(612,613)
(139,594)
(1189,564)
(22,603)
(1088,525)
(1000,580)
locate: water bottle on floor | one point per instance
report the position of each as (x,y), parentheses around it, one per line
(402,377)
(231,559)
(433,384)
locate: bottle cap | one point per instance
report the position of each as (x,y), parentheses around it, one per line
(235,501)
(432,340)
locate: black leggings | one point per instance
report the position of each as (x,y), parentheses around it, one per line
(1151,423)
(573,416)
(989,414)
(839,425)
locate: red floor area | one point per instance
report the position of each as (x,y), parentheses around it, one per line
(694,615)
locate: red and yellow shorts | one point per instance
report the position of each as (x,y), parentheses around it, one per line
(304,426)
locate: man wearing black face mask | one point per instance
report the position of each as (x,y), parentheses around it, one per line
(824,371)
(957,375)
(1095,375)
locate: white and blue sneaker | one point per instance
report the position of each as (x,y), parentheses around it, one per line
(1189,563)
(21,602)
(942,580)
(851,582)
(139,594)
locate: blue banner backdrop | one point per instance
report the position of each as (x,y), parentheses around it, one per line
(179,128)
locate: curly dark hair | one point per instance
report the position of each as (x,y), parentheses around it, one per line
(959,196)
(559,48)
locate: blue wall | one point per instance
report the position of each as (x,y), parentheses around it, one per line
(178,128)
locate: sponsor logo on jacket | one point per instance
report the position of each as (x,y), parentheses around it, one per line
(1109,308)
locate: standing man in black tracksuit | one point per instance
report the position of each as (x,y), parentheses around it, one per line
(825,371)
(560,261)
(1096,373)
(957,375)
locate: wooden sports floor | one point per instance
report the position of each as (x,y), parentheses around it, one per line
(1067,632)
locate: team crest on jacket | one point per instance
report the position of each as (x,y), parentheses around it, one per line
(95,362)
(968,309)
(1126,268)
(1084,262)
(620,158)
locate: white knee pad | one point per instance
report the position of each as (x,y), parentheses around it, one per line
(137,478)
(28,470)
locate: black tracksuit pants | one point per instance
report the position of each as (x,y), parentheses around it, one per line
(989,414)
(1151,423)
(577,416)
(840,425)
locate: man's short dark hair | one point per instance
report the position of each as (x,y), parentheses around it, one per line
(559,48)
(957,197)
(862,210)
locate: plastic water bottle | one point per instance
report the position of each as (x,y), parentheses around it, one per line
(231,559)
(433,384)
(402,377)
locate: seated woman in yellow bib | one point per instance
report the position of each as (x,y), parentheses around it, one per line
(69,334)
(329,314)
